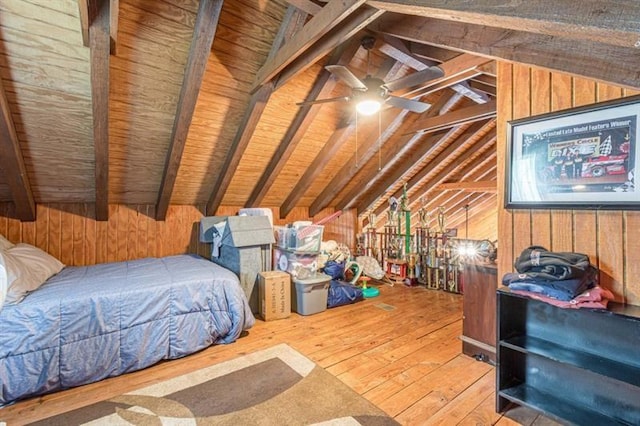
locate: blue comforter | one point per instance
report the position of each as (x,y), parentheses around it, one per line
(89,323)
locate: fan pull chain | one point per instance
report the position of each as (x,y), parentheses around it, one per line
(356,140)
(379,141)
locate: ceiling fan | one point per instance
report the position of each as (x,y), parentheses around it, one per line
(370,93)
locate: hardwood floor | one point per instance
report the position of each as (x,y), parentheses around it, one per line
(400,350)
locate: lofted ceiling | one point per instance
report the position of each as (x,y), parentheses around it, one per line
(195,102)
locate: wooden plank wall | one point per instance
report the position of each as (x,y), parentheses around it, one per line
(70,232)
(606,236)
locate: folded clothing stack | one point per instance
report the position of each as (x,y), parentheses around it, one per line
(594,298)
(557,275)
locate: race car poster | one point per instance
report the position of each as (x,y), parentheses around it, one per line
(578,158)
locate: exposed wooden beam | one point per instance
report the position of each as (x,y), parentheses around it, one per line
(388,70)
(477,186)
(369,147)
(347,29)
(204,32)
(330,16)
(454,142)
(85,20)
(433,53)
(479,168)
(462,115)
(614,23)
(114,10)
(322,88)
(293,21)
(417,179)
(604,62)
(306,6)
(483,87)
(416,147)
(87,9)
(329,150)
(99,57)
(12,164)
(245,131)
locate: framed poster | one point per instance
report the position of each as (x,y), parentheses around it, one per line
(579,158)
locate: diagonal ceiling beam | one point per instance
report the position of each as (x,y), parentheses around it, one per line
(322,88)
(454,141)
(12,163)
(483,167)
(369,147)
(613,23)
(329,17)
(306,6)
(292,22)
(328,152)
(87,16)
(430,199)
(484,149)
(99,56)
(604,62)
(468,186)
(462,115)
(204,32)
(388,70)
(414,145)
(417,179)
(347,29)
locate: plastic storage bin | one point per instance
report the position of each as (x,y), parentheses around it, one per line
(310,294)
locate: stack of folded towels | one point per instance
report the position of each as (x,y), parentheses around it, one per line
(567,280)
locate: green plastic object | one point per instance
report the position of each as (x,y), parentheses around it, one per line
(370,292)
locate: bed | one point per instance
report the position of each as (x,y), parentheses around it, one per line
(85,324)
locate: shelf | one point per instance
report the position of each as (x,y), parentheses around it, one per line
(596,364)
(560,410)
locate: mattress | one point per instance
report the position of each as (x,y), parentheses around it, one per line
(89,323)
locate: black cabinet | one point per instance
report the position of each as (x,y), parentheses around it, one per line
(579,366)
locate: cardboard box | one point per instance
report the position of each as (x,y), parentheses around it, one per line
(274,288)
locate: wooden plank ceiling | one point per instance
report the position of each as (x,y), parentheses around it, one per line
(193,102)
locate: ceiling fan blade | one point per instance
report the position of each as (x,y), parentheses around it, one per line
(324,101)
(414,79)
(347,76)
(410,104)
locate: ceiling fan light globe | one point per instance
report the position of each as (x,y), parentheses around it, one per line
(368,106)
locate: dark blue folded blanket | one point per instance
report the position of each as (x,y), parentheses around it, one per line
(558,289)
(549,265)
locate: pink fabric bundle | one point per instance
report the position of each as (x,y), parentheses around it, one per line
(594,298)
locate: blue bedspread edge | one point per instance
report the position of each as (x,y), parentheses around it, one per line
(93,322)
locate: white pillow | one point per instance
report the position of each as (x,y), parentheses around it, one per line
(5,244)
(3,281)
(27,268)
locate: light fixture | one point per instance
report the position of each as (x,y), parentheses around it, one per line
(368,106)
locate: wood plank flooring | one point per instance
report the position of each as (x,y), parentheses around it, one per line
(400,350)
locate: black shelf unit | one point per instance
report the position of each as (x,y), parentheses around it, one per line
(577,366)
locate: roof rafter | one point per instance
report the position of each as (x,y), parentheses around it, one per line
(353,24)
(413,144)
(12,163)
(615,24)
(99,44)
(204,32)
(417,179)
(330,16)
(322,88)
(387,71)
(600,61)
(292,22)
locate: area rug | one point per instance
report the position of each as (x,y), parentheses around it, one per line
(275,386)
